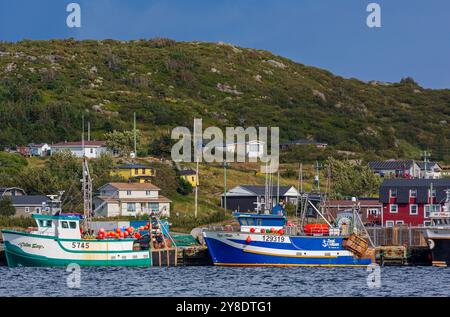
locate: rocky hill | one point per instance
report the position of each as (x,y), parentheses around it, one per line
(46,86)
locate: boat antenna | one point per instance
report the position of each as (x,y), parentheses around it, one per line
(134,135)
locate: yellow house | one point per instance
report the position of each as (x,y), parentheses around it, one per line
(135,172)
(190,176)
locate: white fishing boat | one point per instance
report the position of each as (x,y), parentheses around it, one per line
(57,241)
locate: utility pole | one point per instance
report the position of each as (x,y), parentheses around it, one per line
(278,187)
(89,131)
(225,165)
(426,156)
(134,135)
(318,167)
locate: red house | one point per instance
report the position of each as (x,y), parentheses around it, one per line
(410,201)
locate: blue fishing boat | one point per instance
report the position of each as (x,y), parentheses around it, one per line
(267,239)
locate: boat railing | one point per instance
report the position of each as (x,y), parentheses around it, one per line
(224,228)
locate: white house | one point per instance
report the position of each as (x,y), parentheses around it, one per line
(92,149)
(42,149)
(431,170)
(130,199)
(253,149)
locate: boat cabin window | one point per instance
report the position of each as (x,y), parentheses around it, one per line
(45,223)
(73,225)
(64,225)
(244,222)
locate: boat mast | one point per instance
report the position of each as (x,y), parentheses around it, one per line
(86,182)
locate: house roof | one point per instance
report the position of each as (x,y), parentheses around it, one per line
(160,199)
(37,145)
(429,164)
(391,165)
(4,189)
(422,186)
(80,143)
(349,203)
(133,186)
(31,200)
(399,165)
(187,172)
(131,166)
(257,190)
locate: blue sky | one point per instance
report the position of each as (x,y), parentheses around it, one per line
(414,39)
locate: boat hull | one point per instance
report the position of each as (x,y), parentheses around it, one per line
(242,249)
(439,243)
(23,249)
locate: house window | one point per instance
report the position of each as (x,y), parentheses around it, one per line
(148,193)
(131,207)
(393,193)
(413,193)
(38,210)
(399,222)
(91,150)
(372,212)
(413,210)
(144,171)
(389,223)
(128,192)
(427,223)
(393,209)
(27,210)
(154,207)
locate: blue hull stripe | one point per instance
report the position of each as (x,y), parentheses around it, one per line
(224,254)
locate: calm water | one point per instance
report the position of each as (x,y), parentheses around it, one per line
(217,281)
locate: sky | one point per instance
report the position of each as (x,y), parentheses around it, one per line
(414,39)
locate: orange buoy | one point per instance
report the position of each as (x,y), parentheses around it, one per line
(252,230)
(249,239)
(118,230)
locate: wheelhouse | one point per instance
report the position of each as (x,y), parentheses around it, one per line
(63,226)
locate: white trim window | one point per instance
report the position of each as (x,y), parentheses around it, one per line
(399,222)
(390,223)
(393,209)
(413,193)
(393,193)
(427,223)
(413,209)
(27,210)
(131,207)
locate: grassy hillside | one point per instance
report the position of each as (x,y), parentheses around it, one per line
(46,86)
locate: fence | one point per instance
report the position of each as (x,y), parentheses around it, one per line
(397,236)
